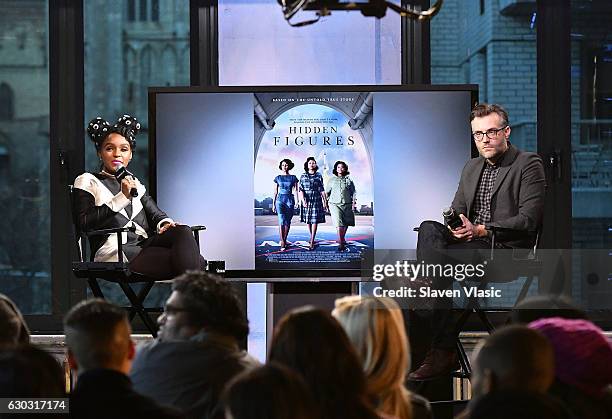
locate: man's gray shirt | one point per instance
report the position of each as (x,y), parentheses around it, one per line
(189,375)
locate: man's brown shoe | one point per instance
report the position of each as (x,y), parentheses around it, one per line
(437,363)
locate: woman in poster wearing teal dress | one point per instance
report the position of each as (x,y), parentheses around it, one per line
(342,200)
(284,201)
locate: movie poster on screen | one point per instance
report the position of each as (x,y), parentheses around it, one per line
(330,127)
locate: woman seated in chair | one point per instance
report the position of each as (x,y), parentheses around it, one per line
(159,248)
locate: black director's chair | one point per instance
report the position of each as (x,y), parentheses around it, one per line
(119,273)
(524,263)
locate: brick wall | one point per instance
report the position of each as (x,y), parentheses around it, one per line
(494,51)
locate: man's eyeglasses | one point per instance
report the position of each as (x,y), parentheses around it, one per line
(170,309)
(490,133)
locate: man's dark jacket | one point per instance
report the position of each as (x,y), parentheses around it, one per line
(517,199)
(103,393)
(189,375)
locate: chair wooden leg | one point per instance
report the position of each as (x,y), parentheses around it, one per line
(463,318)
(137,305)
(142,295)
(464,361)
(95,287)
(524,289)
(482,315)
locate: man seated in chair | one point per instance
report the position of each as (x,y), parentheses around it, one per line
(100,350)
(197,349)
(504,188)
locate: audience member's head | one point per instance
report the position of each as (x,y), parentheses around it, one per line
(27,371)
(545,306)
(312,342)
(583,354)
(13,328)
(202,302)
(98,336)
(272,391)
(517,405)
(375,326)
(513,358)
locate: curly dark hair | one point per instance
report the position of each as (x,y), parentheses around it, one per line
(335,171)
(306,163)
(212,303)
(289,163)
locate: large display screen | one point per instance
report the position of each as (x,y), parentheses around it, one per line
(218,155)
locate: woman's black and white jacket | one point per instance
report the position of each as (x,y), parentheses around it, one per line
(100,204)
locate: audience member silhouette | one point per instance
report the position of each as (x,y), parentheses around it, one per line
(352,366)
(197,350)
(269,392)
(312,342)
(13,328)
(517,405)
(100,350)
(28,371)
(513,359)
(376,328)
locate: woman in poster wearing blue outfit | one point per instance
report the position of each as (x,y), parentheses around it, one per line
(313,200)
(284,202)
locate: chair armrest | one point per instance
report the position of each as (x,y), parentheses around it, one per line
(525,233)
(109,231)
(495,229)
(515,232)
(87,269)
(116,230)
(196,233)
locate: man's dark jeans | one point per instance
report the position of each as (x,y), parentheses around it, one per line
(436,245)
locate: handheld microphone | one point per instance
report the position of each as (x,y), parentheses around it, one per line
(120,173)
(451,218)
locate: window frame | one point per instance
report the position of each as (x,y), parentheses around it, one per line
(66,155)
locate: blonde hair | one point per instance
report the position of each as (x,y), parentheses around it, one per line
(376,328)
